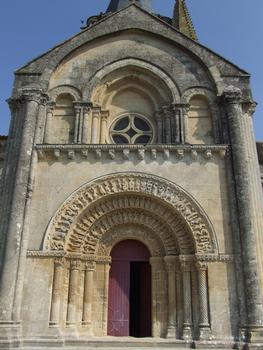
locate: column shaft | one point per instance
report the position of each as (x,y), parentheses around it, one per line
(56,293)
(86,126)
(106,297)
(48,135)
(12,231)
(204,324)
(104,121)
(249,210)
(73,293)
(187,298)
(88,296)
(159,129)
(170,262)
(95,126)
(77,124)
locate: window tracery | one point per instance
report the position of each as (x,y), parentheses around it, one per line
(131,128)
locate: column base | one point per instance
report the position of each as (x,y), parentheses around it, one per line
(87,328)
(54,330)
(205,333)
(187,333)
(10,334)
(171,332)
(254,334)
(71,332)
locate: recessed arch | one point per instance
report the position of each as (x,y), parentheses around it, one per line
(174,200)
(64,89)
(132,62)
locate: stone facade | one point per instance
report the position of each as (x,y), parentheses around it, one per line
(3,140)
(131,130)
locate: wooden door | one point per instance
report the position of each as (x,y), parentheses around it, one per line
(123,306)
(119,303)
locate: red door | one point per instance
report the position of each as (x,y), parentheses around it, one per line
(129,312)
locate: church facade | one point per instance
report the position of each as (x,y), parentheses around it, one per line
(131,199)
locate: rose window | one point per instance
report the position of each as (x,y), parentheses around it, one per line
(131,129)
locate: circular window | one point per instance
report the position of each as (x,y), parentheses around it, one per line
(131,129)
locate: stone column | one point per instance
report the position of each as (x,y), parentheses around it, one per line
(167,124)
(104,124)
(77,129)
(159,294)
(159,127)
(177,124)
(73,293)
(250,206)
(12,233)
(88,297)
(56,292)
(86,132)
(95,125)
(170,262)
(48,138)
(106,297)
(204,323)
(184,123)
(187,298)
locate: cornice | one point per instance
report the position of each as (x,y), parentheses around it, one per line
(126,152)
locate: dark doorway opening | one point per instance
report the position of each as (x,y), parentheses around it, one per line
(129,309)
(140,299)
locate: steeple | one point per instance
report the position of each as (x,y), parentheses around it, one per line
(116,5)
(182,20)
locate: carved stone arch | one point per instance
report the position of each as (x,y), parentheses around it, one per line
(133,231)
(90,228)
(134,62)
(173,197)
(64,89)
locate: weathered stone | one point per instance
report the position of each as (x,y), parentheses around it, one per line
(121,133)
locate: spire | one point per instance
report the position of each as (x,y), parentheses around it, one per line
(116,5)
(182,20)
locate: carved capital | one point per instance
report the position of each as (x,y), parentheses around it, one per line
(96,112)
(75,264)
(105,115)
(31,95)
(249,107)
(201,266)
(59,262)
(89,266)
(50,107)
(14,104)
(170,263)
(157,263)
(232,95)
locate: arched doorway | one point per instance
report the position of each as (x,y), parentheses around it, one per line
(129,306)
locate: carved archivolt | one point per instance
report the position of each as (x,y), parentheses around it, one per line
(65,89)
(133,231)
(101,219)
(76,219)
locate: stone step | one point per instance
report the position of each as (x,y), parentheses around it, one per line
(124,343)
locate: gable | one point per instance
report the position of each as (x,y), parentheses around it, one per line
(132,17)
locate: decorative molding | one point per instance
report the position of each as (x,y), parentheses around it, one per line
(194,258)
(128,152)
(174,201)
(65,89)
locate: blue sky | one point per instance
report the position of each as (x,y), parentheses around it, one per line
(28,28)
